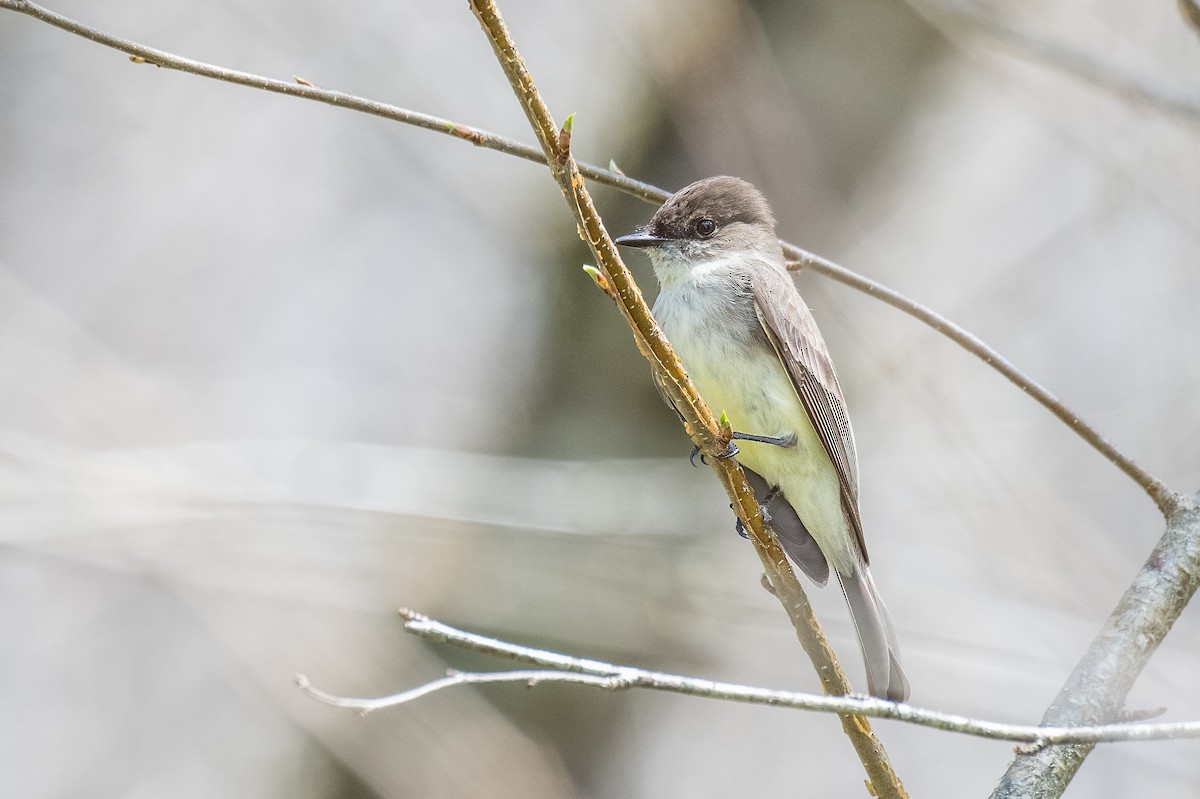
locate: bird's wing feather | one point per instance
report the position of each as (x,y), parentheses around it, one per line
(792,331)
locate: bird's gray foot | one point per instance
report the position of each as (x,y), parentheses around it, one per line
(762,507)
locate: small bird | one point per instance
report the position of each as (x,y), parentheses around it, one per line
(752,347)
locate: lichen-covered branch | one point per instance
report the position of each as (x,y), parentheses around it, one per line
(1095,692)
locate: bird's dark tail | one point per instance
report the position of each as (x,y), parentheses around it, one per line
(876,635)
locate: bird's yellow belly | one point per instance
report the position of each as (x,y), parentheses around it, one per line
(757,396)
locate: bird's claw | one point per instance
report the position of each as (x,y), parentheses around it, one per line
(730,450)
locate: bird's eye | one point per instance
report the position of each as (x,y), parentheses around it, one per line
(705,228)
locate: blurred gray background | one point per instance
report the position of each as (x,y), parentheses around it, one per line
(270,370)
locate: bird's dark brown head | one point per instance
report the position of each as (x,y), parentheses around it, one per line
(721,201)
(708,217)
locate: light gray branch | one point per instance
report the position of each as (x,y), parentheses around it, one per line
(610,676)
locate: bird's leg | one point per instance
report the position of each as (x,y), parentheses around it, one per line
(762,507)
(787,442)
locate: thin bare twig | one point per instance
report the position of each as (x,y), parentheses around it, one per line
(298,87)
(531,678)
(611,676)
(1163,497)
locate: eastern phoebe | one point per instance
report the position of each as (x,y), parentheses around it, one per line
(751,345)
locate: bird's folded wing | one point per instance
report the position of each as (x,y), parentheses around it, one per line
(792,331)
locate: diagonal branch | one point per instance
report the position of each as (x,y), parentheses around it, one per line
(1163,496)
(669,374)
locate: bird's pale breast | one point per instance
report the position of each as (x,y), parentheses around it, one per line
(716,334)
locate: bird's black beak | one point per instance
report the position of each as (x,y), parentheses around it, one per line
(641,238)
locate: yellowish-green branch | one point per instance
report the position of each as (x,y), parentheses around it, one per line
(669,373)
